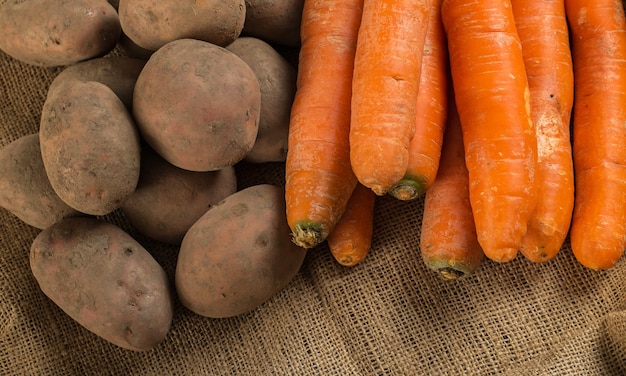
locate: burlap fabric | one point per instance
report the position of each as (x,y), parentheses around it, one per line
(387,316)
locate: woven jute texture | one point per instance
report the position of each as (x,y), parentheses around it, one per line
(389,315)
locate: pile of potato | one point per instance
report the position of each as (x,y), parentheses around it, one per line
(154,132)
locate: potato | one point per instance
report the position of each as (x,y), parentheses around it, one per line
(119,73)
(104,280)
(169,200)
(237,255)
(56,33)
(277,81)
(151,24)
(273,21)
(25,189)
(131,49)
(197,105)
(90,146)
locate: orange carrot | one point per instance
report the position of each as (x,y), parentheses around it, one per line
(543,31)
(598,230)
(448,242)
(351,239)
(425,146)
(384,91)
(319,177)
(492,96)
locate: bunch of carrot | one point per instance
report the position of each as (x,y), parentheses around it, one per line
(470,105)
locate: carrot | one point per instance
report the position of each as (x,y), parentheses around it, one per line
(448,241)
(598,230)
(543,31)
(351,239)
(386,76)
(318,172)
(425,146)
(492,97)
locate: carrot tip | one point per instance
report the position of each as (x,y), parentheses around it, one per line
(408,189)
(379,190)
(451,274)
(538,254)
(347,261)
(501,255)
(453,269)
(349,258)
(307,235)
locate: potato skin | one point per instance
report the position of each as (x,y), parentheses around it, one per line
(57,33)
(90,146)
(25,189)
(197,105)
(274,21)
(119,73)
(152,24)
(238,255)
(169,200)
(105,280)
(277,81)
(131,49)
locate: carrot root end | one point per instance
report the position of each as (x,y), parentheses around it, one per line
(408,189)
(349,257)
(453,268)
(308,235)
(451,274)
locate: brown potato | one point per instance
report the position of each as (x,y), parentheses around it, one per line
(169,200)
(25,189)
(197,105)
(151,24)
(119,73)
(237,255)
(56,33)
(105,280)
(277,80)
(274,21)
(131,48)
(90,146)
